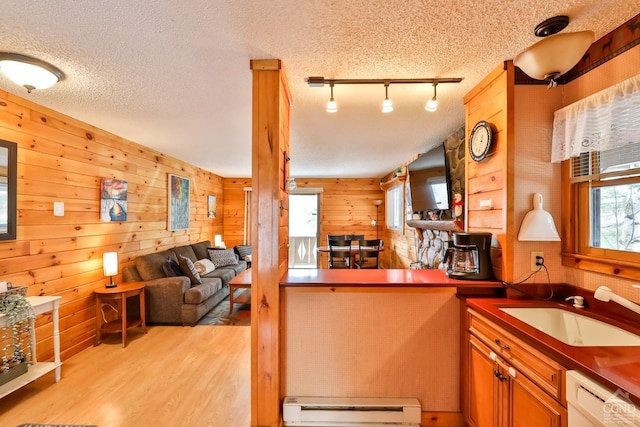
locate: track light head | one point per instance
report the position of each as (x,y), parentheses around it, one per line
(432,104)
(332,106)
(387,105)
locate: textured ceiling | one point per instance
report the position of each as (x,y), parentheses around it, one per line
(174,76)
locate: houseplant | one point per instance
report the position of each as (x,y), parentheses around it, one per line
(15,334)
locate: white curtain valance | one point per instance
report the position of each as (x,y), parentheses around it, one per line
(605,120)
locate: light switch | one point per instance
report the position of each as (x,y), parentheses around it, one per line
(58,208)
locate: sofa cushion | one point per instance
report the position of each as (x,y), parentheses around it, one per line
(150,266)
(223,273)
(189,270)
(200,249)
(202,292)
(171,267)
(204,266)
(221,258)
(185,251)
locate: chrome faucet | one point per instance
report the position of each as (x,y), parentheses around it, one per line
(605,294)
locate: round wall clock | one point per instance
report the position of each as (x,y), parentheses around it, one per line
(480,140)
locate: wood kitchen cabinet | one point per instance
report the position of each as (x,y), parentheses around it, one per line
(508,382)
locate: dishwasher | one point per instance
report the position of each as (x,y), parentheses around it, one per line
(589,404)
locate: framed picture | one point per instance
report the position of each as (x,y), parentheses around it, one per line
(211,206)
(113,200)
(178,203)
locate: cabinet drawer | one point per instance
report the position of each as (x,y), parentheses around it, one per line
(538,367)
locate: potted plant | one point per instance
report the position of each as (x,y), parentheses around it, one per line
(15,334)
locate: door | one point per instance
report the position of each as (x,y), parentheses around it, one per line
(483,395)
(530,406)
(303,230)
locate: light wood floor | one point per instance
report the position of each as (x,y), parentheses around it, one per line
(173,376)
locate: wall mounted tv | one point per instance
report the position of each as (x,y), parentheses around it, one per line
(430,182)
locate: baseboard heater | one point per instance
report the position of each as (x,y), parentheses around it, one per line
(351,412)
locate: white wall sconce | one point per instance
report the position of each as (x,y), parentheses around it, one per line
(28,72)
(538,224)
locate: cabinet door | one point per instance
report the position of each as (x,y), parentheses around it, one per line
(482,388)
(529,406)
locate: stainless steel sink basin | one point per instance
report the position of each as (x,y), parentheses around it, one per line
(572,328)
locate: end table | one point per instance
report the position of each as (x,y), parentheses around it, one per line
(119,293)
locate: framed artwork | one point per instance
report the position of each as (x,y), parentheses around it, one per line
(178,203)
(211,206)
(113,200)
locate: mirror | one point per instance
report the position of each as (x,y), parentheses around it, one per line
(8,186)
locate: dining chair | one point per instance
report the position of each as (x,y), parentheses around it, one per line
(339,253)
(369,251)
(355,238)
(335,237)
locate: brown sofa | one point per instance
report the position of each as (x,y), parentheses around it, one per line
(176,300)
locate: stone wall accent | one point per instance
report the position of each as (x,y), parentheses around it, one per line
(434,243)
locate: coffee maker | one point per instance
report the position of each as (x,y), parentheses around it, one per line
(470,256)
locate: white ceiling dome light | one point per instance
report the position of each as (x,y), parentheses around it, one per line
(31,73)
(556,54)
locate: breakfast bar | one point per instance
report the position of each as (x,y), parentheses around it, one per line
(374,333)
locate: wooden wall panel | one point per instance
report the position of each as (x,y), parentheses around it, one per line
(234,207)
(62,159)
(492,178)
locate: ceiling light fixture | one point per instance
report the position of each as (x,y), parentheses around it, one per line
(31,73)
(332,107)
(432,104)
(387,105)
(556,54)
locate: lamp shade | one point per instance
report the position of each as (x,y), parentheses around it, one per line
(553,56)
(29,72)
(110,263)
(538,224)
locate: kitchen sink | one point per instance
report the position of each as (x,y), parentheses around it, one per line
(573,328)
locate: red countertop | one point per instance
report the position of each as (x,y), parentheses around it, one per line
(377,278)
(613,367)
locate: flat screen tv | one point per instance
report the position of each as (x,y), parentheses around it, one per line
(430,182)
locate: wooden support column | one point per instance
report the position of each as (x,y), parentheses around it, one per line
(269,228)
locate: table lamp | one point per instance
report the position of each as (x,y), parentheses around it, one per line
(110,266)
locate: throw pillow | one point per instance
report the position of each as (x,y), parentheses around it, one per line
(171,267)
(190,270)
(221,258)
(204,266)
(243,251)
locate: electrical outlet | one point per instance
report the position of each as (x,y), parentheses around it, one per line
(534,267)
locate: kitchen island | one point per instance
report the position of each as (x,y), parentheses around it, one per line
(374,333)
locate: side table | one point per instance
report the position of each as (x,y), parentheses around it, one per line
(119,293)
(242,280)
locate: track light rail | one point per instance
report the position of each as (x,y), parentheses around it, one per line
(321,81)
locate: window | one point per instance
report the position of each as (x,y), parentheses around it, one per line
(597,138)
(606,190)
(394,207)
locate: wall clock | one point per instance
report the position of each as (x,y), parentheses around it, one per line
(480,140)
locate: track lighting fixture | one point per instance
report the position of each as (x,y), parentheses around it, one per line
(432,104)
(332,107)
(387,105)
(31,73)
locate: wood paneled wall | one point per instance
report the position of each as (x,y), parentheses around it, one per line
(62,159)
(492,178)
(234,210)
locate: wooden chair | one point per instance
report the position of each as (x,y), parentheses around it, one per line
(355,238)
(339,253)
(335,237)
(369,252)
